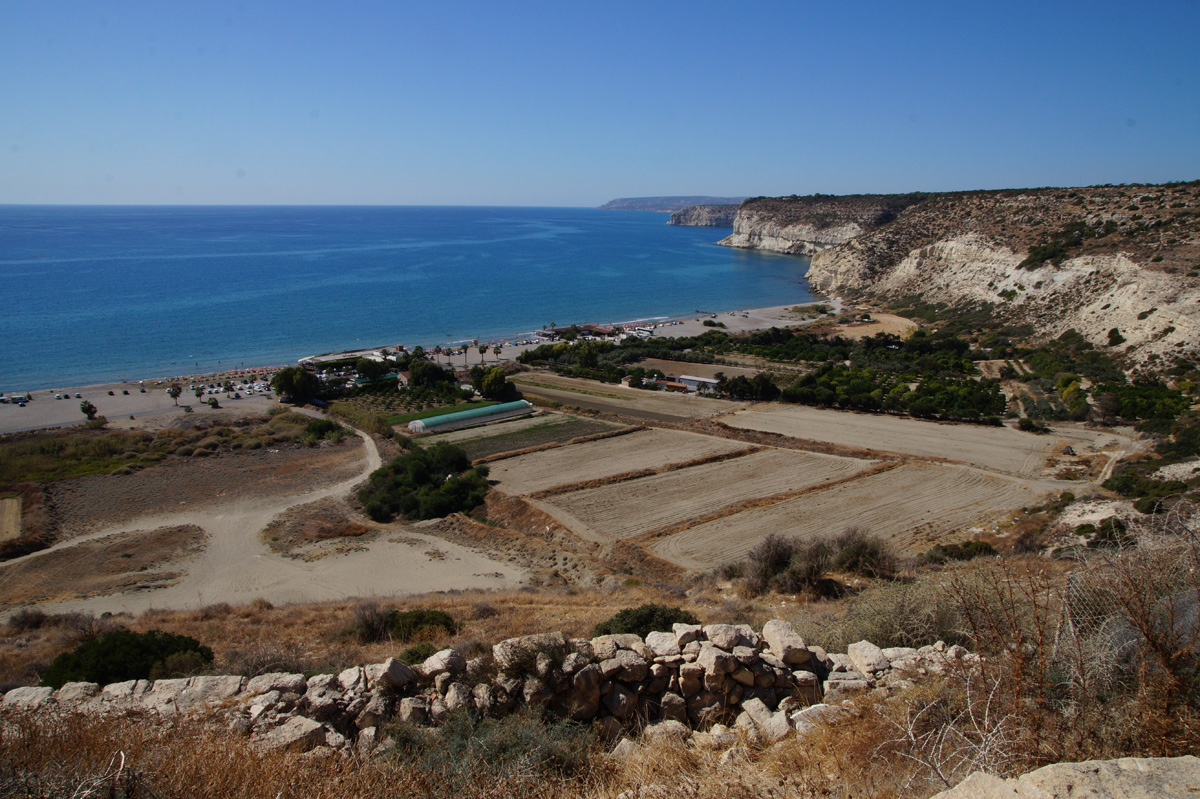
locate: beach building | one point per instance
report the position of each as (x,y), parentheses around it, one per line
(471,418)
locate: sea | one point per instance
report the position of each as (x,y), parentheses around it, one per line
(102,293)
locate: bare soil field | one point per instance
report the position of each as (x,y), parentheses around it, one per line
(534,431)
(91,503)
(138,560)
(634,507)
(912,506)
(1001,449)
(10,518)
(645,449)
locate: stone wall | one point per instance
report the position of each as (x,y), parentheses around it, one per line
(725,682)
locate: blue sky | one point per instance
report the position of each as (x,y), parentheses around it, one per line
(562,103)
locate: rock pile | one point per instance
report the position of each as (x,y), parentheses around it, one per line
(711,682)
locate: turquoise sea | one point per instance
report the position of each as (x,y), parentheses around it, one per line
(92,294)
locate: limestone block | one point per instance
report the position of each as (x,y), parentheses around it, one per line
(297,734)
(867,657)
(391,673)
(76,692)
(725,636)
(445,662)
(621,702)
(458,696)
(667,730)
(716,661)
(785,643)
(686,633)
(663,644)
(27,698)
(515,653)
(276,681)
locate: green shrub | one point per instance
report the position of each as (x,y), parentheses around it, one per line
(122,655)
(424,483)
(940,553)
(413,623)
(770,557)
(643,620)
(418,653)
(323,428)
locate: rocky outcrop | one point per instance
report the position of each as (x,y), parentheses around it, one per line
(705,216)
(723,682)
(1126,778)
(807,225)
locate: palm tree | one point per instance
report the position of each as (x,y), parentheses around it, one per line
(482,351)
(496,351)
(174,391)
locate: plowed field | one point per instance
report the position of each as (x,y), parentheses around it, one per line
(908,506)
(593,460)
(633,507)
(999,448)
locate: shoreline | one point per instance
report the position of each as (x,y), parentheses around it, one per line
(43,411)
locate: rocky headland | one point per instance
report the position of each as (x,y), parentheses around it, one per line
(665,203)
(1095,259)
(705,216)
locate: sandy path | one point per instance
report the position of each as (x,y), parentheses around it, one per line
(236,567)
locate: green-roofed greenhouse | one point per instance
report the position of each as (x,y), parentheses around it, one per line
(452,421)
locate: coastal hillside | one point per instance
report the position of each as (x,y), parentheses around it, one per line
(665,203)
(807,225)
(1117,263)
(705,216)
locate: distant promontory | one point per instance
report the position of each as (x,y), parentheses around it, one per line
(666,204)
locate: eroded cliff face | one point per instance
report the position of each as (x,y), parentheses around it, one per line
(1124,258)
(705,216)
(807,225)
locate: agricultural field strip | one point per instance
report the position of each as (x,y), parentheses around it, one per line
(641,505)
(10,518)
(912,506)
(591,460)
(999,449)
(584,439)
(640,474)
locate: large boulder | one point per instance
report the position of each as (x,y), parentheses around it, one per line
(725,636)
(626,666)
(445,662)
(716,661)
(663,644)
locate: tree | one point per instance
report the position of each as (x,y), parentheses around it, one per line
(482,351)
(496,351)
(295,382)
(174,391)
(89,410)
(495,385)
(371,369)
(199,392)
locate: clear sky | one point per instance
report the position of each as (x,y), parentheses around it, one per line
(576,103)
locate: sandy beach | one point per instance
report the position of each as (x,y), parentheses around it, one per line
(130,409)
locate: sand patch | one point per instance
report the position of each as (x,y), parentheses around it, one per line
(10,518)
